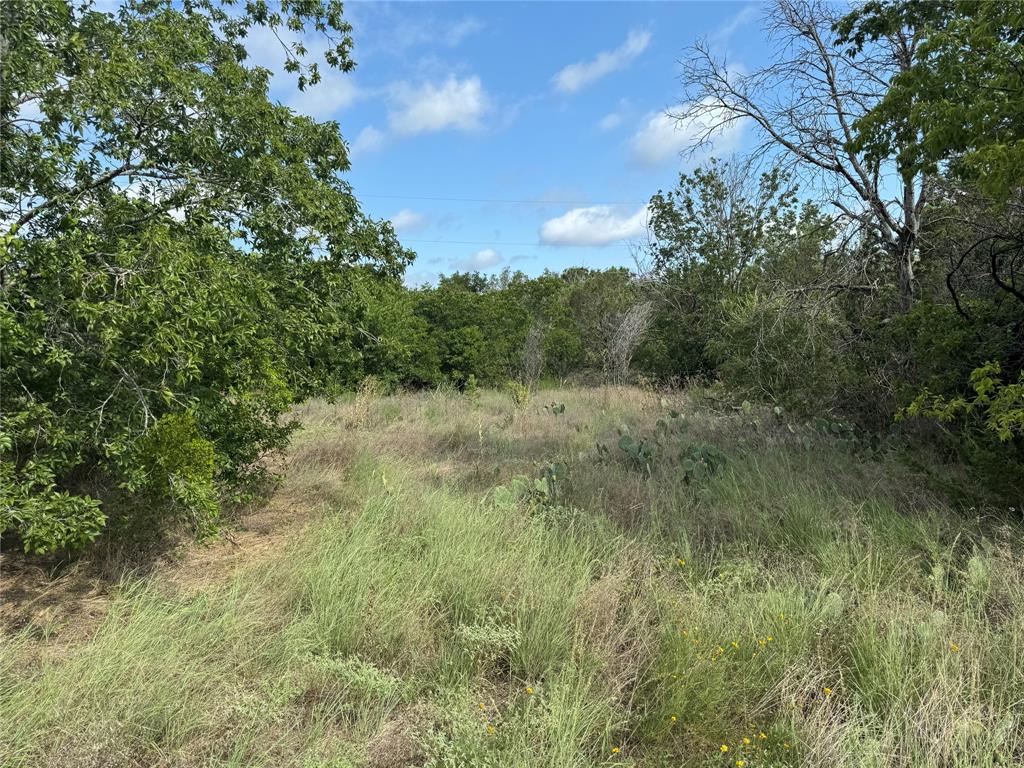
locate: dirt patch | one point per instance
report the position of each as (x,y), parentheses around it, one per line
(397,743)
(63,601)
(49,598)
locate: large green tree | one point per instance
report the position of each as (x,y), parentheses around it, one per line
(180,255)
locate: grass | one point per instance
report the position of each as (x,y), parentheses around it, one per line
(805,605)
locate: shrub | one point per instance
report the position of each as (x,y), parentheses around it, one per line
(519,393)
(775,347)
(995,406)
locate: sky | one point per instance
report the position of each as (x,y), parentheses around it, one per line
(522,135)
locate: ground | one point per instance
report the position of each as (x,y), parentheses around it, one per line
(595,577)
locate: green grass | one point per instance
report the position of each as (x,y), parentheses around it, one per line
(830,609)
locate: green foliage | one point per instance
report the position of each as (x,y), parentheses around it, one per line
(776,348)
(640,452)
(175,243)
(519,393)
(182,261)
(998,406)
(45,518)
(961,99)
(720,234)
(175,464)
(699,461)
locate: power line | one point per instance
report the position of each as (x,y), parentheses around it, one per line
(496,200)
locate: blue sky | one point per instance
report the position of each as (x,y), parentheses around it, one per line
(556,106)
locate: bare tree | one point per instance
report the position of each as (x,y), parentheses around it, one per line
(631,331)
(804,107)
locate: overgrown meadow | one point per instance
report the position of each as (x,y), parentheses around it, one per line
(587,577)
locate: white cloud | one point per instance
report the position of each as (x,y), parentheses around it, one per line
(484,259)
(407,220)
(369,140)
(323,101)
(457,104)
(610,121)
(575,76)
(663,137)
(594,225)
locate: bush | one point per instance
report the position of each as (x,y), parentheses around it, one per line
(774,347)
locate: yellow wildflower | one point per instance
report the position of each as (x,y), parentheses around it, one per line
(828,691)
(740,763)
(769,638)
(681,562)
(490,729)
(673,718)
(724,748)
(762,735)
(954,648)
(481,705)
(746,741)
(734,644)
(529,690)
(615,750)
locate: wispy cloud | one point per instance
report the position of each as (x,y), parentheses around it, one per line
(610,121)
(724,33)
(460,30)
(408,220)
(387,28)
(323,101)
(594,225)
(662,138)
(370,139)
(576,76)
(483,259)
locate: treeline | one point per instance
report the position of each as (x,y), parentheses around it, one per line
(746,283)
(183,260)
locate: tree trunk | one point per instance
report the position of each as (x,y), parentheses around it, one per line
(903,253)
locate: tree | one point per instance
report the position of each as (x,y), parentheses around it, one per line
(959,100)
(723,231)
(177,253)
(804,107)
(958,105)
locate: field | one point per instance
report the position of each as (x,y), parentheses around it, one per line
(453,580)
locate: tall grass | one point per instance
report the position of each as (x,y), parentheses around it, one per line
(801,607)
